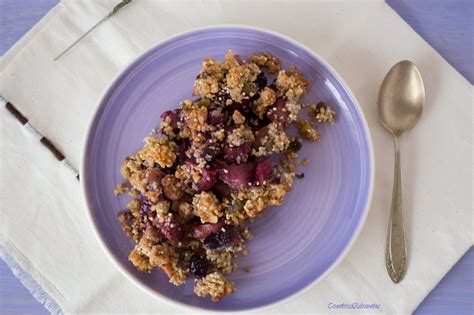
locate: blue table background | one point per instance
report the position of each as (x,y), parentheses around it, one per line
(448,26)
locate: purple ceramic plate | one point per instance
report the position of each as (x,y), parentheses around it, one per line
(296,243)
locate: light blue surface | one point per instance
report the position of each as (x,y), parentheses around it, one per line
(446,25)
(455,293)
(17,17)
(14,297)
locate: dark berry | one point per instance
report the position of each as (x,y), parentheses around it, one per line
(261,80)
(225,235)
(212,241)
(198,266)
(209,154)
(294,146)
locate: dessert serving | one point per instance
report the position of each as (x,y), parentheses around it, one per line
(215,163)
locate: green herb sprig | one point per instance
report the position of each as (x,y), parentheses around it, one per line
(114,10)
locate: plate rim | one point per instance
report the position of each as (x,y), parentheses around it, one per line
(88,134)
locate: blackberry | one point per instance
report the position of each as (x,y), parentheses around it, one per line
(198,266)
(209,154)
(212,241)
(261,80)
(294,146)
(225,235)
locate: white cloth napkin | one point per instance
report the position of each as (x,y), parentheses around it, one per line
(43,226)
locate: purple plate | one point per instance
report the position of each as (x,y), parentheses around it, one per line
(295,244)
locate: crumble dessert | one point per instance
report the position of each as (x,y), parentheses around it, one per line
(196,185)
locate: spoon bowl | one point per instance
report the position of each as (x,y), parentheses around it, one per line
(401,98)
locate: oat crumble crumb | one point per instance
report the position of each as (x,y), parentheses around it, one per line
(238,118)
(207,207)
(120,189)
(133,205)
(240,135)
(185,211)
(140,261)
(321,112)
(133,193)
(267,98)
(215,285)
(266,60)
(160,151)
(291,83)
(161,208)
(305,162)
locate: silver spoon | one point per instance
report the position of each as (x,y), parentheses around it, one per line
(400,105)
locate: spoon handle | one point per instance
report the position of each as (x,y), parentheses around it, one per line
(395,251)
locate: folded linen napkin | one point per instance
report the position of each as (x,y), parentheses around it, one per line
(43,227)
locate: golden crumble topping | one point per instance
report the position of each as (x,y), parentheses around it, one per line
(161,208)
(266,60)
(215,285)
(196,118)
(185,211)
(221,260)
(291,84)
(254,207)
(240,135)
(238,118)
(294,110)
(273,139)
(160,151)
(140,261)
(322,113)
(120,189)
(239,78)
(207,207)
(267,98)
